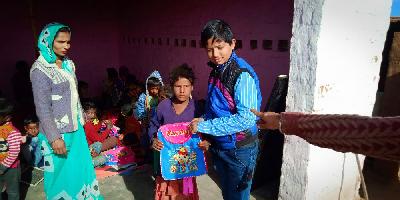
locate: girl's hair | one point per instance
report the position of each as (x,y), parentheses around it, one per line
(153,82)
(166,92)
(89,105)
(182,71)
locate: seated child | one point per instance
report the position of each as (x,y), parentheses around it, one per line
(100,135)
(148,101)
(32,148)
(130,127)
(146,107)
(106,144)
(10,141)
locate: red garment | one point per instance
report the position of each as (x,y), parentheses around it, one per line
(132,126)
(372,136)
(94,134)
(173,190)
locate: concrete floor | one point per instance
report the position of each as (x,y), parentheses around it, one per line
(139,185)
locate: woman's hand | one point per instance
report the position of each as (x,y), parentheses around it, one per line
(58,147)
(204,145)
(157,144)
(268,120)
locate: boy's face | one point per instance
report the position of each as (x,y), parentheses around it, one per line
(219,51)
(32,129)
(91,114)
(153,91)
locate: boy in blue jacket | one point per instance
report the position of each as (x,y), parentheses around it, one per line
(230,127)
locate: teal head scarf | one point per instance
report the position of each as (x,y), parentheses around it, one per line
(46,39)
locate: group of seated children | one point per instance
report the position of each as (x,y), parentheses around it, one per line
(107,143)
(112,137)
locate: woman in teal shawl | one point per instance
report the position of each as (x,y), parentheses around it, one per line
(69,172)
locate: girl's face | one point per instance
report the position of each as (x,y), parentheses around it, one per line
(182,89)
(62,44)
(91,114)
(153,91)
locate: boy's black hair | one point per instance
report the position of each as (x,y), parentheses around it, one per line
(33,119)
(153,82)
(89,105)
(217,30)
(182,71)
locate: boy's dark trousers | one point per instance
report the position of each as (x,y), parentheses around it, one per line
(235,168)
(10,179)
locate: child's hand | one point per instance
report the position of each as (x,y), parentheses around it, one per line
(108,123)
(23,139)
(157,144)
(120,137)
(204,145)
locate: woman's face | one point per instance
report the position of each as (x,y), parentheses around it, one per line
(62,44)
(182,89)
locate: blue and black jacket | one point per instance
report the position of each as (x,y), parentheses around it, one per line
(221,103)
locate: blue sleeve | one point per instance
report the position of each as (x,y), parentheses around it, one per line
(141,107)
(245,99)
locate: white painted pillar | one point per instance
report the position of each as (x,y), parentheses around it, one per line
(336,52)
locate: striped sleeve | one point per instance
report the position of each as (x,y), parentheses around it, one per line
(245,99)
(14,143)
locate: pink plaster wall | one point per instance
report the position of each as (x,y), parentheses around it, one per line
(94,41)
(102,34)
(259,20)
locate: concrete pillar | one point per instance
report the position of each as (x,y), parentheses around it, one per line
(335,56)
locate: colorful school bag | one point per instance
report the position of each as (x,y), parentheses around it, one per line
(180,157)
(121,155)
